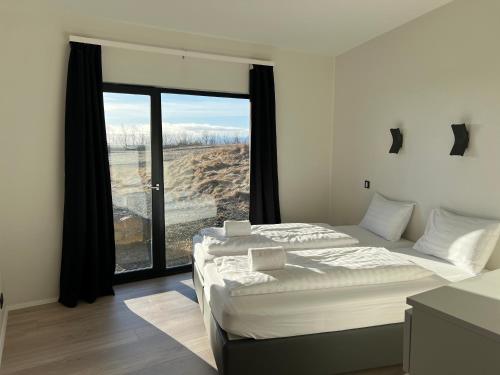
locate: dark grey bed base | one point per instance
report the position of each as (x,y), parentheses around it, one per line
(324,353)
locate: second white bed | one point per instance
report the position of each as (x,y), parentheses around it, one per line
(308,312)
(365,237)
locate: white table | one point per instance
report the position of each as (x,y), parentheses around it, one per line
(455,329)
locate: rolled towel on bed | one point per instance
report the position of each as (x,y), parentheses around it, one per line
(233,228)
(266,258)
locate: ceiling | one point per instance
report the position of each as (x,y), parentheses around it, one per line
(319,26)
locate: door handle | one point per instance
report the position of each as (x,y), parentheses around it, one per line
(155,187)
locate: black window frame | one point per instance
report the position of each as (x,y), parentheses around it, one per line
(158,249)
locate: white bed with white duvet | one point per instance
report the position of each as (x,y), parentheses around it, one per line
(361,236)
(286,314)
(327,302)
(335,288)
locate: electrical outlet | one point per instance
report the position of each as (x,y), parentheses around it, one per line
(367,184)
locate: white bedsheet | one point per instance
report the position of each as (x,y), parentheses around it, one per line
(365,238)
(319,269)
(440,267)
(326,310)
(292,236)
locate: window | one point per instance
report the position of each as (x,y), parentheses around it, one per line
(179,162)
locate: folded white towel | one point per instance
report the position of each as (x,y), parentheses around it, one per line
(233,228)
(266,258)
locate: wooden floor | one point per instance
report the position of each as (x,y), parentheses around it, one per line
(149,327)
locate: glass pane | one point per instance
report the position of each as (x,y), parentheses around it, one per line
(206,167)
(129,144)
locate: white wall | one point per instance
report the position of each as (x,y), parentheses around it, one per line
(33,39)
(440,69)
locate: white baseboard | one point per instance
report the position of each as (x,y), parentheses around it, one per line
(32,303)
(3,330)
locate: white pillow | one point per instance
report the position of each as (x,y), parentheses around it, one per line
(387,218)
(467,242)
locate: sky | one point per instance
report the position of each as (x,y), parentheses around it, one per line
(181,114)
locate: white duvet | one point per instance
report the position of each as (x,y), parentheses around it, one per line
(319,269)
(292,236)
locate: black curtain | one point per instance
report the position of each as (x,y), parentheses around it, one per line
(88,249)
(264,194)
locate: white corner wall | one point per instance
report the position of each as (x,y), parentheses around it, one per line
(440,69)
(33,38)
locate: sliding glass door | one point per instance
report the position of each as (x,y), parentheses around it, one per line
(179,162)
(128,128)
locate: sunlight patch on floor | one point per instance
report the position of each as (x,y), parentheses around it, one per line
(188,283)
(178,317)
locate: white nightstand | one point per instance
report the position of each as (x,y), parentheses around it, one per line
(455,329)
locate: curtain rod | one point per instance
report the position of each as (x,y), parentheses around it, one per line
(169,51)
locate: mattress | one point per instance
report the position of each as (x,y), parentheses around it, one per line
(365,237)
(308,312)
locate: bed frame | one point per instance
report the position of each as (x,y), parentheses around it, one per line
(324,353)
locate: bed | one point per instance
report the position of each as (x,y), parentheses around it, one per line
(315,332)
(274,315)
(365,238)
(200,258)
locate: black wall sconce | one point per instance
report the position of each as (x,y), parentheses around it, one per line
(397,141)
(461,139)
